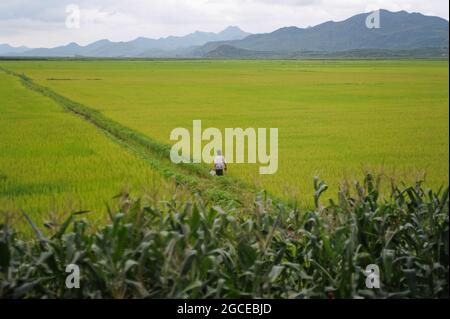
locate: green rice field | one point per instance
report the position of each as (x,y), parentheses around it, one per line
(336,119)
(52,162)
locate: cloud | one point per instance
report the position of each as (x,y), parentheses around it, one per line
(42,23)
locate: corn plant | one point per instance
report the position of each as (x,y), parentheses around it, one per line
(193,249)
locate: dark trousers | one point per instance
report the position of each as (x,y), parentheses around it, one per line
(219,172)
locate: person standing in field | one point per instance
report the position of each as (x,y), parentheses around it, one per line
(219,163)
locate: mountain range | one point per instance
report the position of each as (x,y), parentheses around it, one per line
(399,32)
(7,49)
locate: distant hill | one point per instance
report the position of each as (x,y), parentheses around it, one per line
(140,47)
(401,35)
(7,49)
(226,51)
(398,31)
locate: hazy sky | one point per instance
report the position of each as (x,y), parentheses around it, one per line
(43,23)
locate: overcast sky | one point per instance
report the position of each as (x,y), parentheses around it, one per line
(43,23)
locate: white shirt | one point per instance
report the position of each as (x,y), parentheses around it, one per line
(219,162)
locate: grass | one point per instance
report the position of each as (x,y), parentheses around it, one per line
(186,249)
(337,119)
(53,163)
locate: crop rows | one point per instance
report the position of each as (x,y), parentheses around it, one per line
(189,249)
(336,119)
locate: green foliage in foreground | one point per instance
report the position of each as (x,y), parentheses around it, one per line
(192,250)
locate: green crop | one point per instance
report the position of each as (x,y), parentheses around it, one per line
(190,249)
(51,161)
(75,132)
(336,119)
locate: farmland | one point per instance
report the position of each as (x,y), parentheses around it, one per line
(337,119)
(76,133)
(52,162)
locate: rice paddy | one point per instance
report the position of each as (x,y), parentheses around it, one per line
(52,162)
(336,119)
